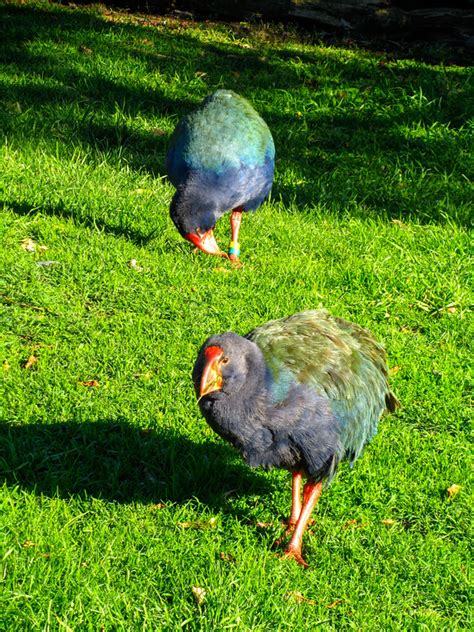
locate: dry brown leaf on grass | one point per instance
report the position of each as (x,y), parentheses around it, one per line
(227,557)
(355,524)
(90,383)
(335,603)
(157,506)
(454,490)
(389,522)
(32,360)
(30,245)
(300,598)
(199,595)
(134,265)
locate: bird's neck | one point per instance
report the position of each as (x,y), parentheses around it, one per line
(236,415)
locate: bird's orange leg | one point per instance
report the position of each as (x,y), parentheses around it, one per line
(295,501)
(311,494)
(295,507)
(235,222)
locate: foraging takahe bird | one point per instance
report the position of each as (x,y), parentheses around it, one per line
(301,393)
(222,157)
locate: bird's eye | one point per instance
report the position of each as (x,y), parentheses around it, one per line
(225,360)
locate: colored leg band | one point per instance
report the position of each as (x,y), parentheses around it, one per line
(234,248)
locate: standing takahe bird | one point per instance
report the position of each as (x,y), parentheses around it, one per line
(221,157)
(301,393)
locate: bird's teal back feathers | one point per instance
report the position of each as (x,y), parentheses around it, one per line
(222,133)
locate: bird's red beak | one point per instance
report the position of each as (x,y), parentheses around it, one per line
(211,379)
(206,242)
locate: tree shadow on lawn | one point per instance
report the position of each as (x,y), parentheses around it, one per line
(118,462)
(328,149)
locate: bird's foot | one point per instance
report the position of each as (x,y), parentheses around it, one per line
(292,553)
(286,534)
(235,261)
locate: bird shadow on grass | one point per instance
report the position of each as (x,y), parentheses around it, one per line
(60,210)
(118,462)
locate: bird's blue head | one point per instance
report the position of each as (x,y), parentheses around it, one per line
(194,222)
(227,364)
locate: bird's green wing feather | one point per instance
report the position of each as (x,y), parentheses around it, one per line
(319,350)
(339,360)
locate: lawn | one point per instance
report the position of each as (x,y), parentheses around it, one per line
(116,499)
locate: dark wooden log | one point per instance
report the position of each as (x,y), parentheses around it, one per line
(406,20)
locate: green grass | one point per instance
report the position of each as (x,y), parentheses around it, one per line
(117,499)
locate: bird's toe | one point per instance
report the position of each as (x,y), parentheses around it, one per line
(235,261)
(294,554)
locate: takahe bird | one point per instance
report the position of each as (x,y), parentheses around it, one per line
(221,158)
(302,393)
